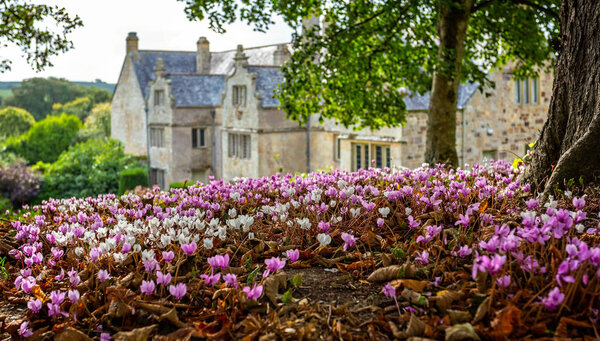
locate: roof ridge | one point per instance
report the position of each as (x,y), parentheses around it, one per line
(193,74)
(224,51)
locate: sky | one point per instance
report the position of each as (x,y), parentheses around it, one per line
(99,46)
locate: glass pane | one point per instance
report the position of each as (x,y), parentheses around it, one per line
(367,160)
(517,92)
(526,91)
(388,157)
(194,138)
(378,156)
(534,90)
(358,157)
(201,137)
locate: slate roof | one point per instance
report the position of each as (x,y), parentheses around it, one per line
(191,89)
(421,102)
(197,90)
(267,79)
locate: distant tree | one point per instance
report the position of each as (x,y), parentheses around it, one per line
(46,140)
(354,69)
(87,169)
(38,95)
(97,124)
(79,107)
(14,121)
(26,25)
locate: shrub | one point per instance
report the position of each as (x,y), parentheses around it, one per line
(130,178)
(15,121)
(7,159)
(19,184)
(86,169)
(46,140)
(79,107)
(178,184)
(97,124)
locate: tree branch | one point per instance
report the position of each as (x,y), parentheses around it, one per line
(538,7)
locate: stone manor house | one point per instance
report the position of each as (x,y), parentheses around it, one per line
(201,113)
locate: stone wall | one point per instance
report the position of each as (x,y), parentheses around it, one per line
(128,119)
(494,125)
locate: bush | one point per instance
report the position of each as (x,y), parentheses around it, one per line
(130,178)
(86,169)
(46,140)
(79,107)
(178,184)
(97,124)
(19,184)
(15,121)
(7,159)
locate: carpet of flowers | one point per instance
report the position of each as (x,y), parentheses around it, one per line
(441,254)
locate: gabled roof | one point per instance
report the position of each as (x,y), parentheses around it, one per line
(421,102)
(184,62)
(267,79)
(197,90)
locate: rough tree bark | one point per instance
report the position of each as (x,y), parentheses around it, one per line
(569,144)
(441,119)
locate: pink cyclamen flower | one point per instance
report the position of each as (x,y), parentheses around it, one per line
(178,290)
(380,222)
(168,256)
(293,255)
(219,262)
(211,279)
(323,226)
(126,247)
(54,310)
(231,279)
(147,287)
(423,257)
(253,293)
(273,264)
(349,240)
(554,299)
(503,281)
(24,329)
(27,284)
(150,265)
(103,275)
(60,276)
(35,305)
(95,254)
(388,290)
(163,279)
(57,297)
(579,203)
(73,295)
(190,248)
(105,337)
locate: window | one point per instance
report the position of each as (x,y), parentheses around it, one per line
(526,91)
(238,145)
(489,154)
(198,138)
(157,177)
(159,97)
(534,91)
(362,153)
(157,137)
(239,95)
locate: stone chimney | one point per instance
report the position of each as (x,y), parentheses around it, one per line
(159,69)
(281,55)
(203,57)
(132,43)
(240,57)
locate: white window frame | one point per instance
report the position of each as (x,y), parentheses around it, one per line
(159,97)
(239,95)
(157,137)
(368,153)
(239,145)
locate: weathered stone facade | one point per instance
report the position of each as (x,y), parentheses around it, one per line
(495,126)
(214,114)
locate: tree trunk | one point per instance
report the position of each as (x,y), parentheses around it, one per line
(569,144)
(441,120)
